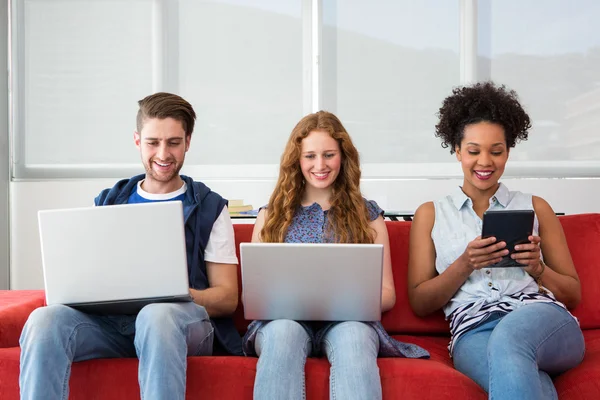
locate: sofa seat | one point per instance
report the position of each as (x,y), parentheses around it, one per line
(583,382)
(228,377)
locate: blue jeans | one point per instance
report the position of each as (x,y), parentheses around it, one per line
(513,356)
(351,347)
(162,336)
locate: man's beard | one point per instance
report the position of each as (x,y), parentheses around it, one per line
(157,176)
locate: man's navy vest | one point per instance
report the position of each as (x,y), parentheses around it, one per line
(201,208)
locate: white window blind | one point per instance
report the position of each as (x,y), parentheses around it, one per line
(386,67)
(549,52)
(253,68)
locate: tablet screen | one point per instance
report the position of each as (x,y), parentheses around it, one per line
(510,226)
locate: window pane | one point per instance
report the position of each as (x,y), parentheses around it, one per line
(241,68)
(82,66)
(549,52)
(85,63)
(387,65)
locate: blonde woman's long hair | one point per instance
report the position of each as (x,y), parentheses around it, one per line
(348,215)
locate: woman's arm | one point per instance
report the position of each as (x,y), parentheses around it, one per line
(388,291)
(258,225)
(559,275)
(428,291)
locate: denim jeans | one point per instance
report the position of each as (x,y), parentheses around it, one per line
(351,347)
(162,335)
(513,356)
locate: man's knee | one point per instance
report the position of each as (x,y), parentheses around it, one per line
(45,321)
(169,316)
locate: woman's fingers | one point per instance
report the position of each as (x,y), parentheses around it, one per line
(488,250)
(528,253)
(483,260)
(479,243)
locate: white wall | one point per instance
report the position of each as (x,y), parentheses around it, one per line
(26,198)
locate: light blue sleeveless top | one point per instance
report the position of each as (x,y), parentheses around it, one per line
(456,224)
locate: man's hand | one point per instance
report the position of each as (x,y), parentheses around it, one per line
(221,298)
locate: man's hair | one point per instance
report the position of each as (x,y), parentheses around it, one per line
(166,105)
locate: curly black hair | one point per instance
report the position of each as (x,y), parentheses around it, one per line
(480,102)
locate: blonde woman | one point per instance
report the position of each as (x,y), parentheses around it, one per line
(317,199)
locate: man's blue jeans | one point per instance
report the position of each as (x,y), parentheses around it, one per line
(351,347)
(161,335)
(512,356)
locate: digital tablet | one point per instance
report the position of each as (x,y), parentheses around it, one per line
(510,226)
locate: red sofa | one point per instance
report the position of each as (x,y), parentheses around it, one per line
(226,377)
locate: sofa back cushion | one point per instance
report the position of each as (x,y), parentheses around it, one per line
(583,237)
(243,234)
(401,318)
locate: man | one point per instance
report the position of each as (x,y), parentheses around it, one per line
(162,335)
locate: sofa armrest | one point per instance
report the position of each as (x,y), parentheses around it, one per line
(15,307)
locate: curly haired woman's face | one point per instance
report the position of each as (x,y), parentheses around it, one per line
(320,159)
(483,155)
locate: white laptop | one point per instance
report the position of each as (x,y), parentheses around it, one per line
(312,282)
(114,259)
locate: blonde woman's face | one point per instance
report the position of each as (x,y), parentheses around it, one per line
(320,159)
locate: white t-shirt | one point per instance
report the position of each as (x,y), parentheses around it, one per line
(221,242)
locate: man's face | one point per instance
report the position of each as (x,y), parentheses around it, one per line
(162,144)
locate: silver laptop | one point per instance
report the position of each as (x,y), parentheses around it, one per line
(312,282)
(114,259)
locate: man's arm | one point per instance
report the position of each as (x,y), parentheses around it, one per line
(221,298)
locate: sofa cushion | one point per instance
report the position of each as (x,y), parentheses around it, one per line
(425,379)
(232,377)
(436,345)
(228,377)
(583,381)
(583,237)
(243,234)
(401,318)
(15,307)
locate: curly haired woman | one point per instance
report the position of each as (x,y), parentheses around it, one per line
(317,199)
(510,327)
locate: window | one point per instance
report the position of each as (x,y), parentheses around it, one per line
(241,67)
(253,68)
(549,52)
(78,69)
(77,66)
(387,65)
